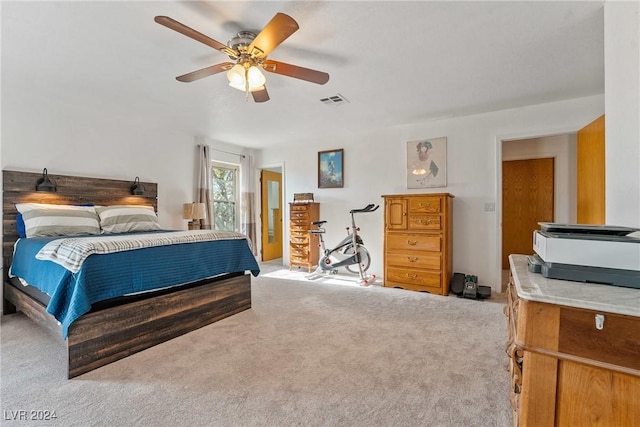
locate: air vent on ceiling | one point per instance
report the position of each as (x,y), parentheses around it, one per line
(334,100)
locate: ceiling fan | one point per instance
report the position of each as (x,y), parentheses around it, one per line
(249,51)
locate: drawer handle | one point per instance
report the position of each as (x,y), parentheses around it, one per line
(425,221)
(412,259)
(424,205)
(412,276)
(412,242)
(599,322)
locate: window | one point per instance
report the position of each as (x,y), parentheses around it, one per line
(225,195)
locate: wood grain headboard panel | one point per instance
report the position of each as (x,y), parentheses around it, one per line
(19,187)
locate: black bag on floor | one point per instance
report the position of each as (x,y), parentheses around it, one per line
(456,285)
(474,291)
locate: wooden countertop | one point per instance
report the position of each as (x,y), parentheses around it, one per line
(606,298)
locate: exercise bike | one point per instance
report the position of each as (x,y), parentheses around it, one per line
(350,253)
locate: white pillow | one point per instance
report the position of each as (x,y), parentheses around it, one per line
(123,219)
(43,220)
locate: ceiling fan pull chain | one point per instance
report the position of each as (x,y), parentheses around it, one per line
(246,84)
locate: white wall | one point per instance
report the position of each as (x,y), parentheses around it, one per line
(72,140)
(622,106)
(375,164)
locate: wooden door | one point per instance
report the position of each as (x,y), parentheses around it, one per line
(591,173)
(271,218)
(527,198)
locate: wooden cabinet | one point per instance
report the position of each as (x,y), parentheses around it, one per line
(418,242)
(572,366)
(303,250)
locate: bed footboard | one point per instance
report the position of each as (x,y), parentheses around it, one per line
(104,336)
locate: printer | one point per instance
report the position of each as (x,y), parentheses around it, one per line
(603,254)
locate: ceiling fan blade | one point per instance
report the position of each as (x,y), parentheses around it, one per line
(260,95)
(275,32)
(205,72)
(302,73)
(189,32)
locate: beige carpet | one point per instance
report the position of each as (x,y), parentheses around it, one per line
(306,354)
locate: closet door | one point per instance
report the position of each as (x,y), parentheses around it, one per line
(527,198)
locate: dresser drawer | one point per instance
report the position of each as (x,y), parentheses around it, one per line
(298,208)
(414,259)
(299,238)
(299,216)
(408,241)
(618,342)
(300,227)
(299,259)
(424,204)
(299,250)
(424,222)
(415,277)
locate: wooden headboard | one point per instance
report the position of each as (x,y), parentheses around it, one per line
(19,187)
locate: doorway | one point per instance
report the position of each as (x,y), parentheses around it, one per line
(525,156)
(565,147)
(271,214)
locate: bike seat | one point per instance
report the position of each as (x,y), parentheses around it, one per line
(318,223)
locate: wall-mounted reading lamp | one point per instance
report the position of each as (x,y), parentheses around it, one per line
(137,189)
(45,183)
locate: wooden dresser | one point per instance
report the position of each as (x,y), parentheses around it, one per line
(418,241)
(574,351)
(303,250)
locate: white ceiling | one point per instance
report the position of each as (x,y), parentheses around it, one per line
(395,62)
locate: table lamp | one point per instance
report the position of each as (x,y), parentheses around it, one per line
(194,212)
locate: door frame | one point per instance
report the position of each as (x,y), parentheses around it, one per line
(500,139)
(258,204)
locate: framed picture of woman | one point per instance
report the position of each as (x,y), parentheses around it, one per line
(427,163)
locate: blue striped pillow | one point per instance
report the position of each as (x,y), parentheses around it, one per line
(43,220)
(124,219)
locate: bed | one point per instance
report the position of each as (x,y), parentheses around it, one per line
(105,328)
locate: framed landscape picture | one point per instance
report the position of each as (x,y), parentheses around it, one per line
(331,169)
(427,163)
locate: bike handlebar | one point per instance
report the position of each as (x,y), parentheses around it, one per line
(369,208)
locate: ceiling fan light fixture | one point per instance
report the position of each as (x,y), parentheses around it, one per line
(246,79)
(248,52)
(255,77)
(236,76)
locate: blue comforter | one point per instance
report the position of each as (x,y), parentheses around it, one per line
(112,275)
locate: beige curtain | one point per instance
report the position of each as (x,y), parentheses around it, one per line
(247,199)
(203,186)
